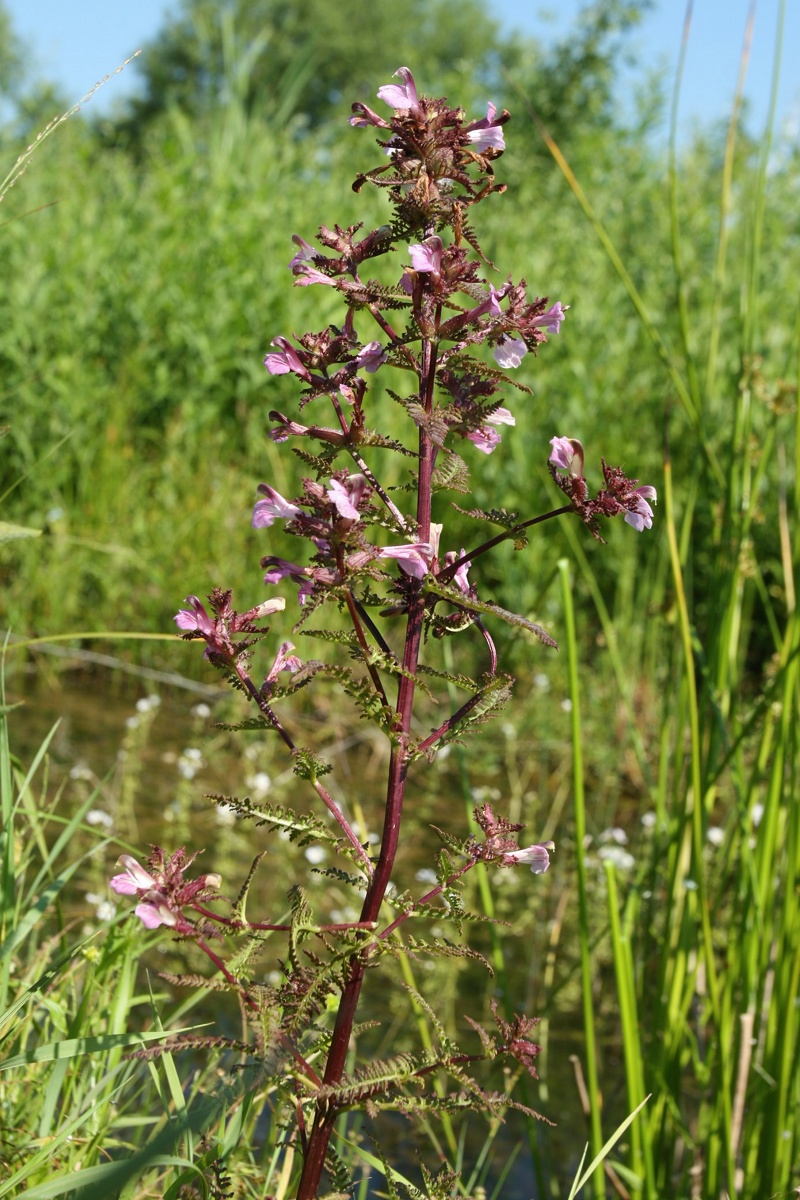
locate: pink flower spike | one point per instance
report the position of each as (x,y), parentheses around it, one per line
(536,857)
(509,352)
(427,255)
(641,517)
(371,356)
(400,96)
(197,620)
(414,558)
(273,505)
(567,455)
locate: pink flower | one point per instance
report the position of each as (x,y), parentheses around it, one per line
(509,352)
(198,620)
(370,357)
(485,439)
(346,496)
(279,568)
(460,578)
(536,857)
(286,360)
(567,455)
(641,517)
(551,320)
(400,96)
(284,661)
(490,305)
(427,255)
(134,877)
(305,275)
(154,914)
(273,505)
(415,557)
(484,134)
(305,253)
(501,416)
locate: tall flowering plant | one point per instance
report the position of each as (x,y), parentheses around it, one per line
(449,337)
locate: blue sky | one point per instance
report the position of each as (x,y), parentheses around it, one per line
(77,42)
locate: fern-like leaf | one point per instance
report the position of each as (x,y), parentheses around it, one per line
(375,1079)
(302,828)
(190,1041)
(240,902)
(308,766)
(487,607)
(320,464)
(451,473)
(342,637)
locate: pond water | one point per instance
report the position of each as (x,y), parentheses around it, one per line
(149,752)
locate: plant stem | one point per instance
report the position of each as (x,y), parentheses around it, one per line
(325,1117)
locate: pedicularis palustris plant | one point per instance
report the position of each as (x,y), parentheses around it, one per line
(447,338)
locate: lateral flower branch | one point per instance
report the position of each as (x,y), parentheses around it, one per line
(450,337)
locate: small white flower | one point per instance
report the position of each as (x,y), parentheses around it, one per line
(96,816)
(615,854)
(316,855)
(260,784)
(202,711)
(425,875)
(715,835)
(616,835)
(756,813)
(566,704)
(649,820)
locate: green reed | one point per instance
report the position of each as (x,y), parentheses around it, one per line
(704,943)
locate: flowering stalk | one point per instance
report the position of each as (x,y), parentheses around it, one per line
(435,326)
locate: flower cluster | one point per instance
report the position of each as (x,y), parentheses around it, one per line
(218,631)
(163,890)
(499,844)
(621,495)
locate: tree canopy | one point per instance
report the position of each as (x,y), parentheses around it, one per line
(283,59)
